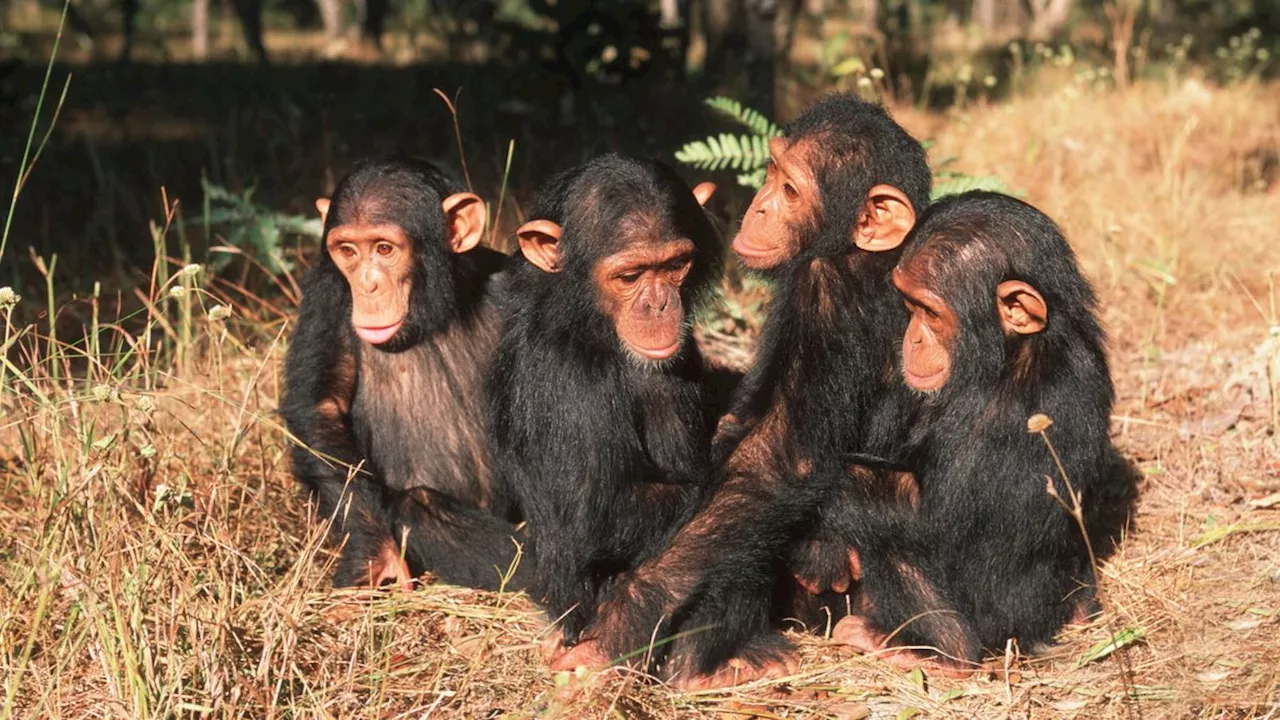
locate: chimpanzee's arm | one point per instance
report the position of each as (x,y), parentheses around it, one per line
(717,574)
(320,377)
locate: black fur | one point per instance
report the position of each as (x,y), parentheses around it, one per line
(606,455)
(991,553)
(410,413)
(824,385)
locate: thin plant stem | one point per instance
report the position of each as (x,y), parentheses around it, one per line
(23,169)
(1077,513)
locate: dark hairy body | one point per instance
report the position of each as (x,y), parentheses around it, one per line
(384,382)
(1003,329)
(823,390)
(598,407)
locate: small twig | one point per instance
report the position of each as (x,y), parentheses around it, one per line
(1038,424)
(457,134)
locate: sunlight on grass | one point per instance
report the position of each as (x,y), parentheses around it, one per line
(157,559)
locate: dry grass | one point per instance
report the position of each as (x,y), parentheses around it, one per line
(157,561)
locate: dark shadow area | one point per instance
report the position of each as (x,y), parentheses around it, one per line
(127,131)
(562,79)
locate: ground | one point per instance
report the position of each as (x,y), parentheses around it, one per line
(156,558)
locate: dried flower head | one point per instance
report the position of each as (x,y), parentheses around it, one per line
(1038,423)
(8,298)
(218,313)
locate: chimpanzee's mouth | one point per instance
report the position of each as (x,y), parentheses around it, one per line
(378,335)
(656,353)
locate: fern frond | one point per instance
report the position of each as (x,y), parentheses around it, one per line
(956,183)
(753,179)
(726,150)
(753,120)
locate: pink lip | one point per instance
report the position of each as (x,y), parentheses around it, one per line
(923,382)
(741,247)
(378,335)
(661,354)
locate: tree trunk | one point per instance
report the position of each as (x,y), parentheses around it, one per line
(330,17)
(249,13)
(984,16)
(200,29)
(722,26)
(1048,17)
(669,12)
(760,53)
(869,16)
(371,27)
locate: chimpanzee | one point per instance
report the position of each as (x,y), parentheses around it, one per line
(841,194)
(600,420)
(1002,329)
(385,381)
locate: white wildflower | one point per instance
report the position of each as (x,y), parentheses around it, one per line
(218,313)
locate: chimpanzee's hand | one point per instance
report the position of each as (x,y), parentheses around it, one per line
(821,565)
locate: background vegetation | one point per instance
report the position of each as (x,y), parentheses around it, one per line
(156,559)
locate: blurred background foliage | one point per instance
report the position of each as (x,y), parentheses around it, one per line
(230,116)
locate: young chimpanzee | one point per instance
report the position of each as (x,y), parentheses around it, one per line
(384,381)
(842,191)
(1002,329)
(599,416)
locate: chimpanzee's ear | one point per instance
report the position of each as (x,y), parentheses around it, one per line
(464,219)
(703,192)
(885,221)
(540,243)
(1022,309)
(322,204)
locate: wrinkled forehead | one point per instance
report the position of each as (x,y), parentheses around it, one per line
(794,155)
(959,259)
(625,216)
(647,255)
(386,202)
(820,148)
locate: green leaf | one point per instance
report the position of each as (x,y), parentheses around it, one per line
(848,66)
(1122,639)
(1215,532)
(752,120)
(726,150)
(954,184)
(917,678)
(753,179)
(255,229)
(952,694)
